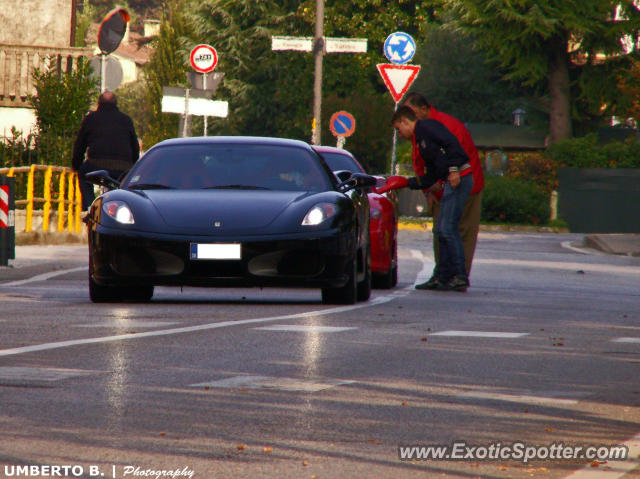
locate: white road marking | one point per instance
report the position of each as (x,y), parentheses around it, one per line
(479,334)
(585,250)
(12,374)
(526,398)
(269,382)
(427,266)
(300,328)
(626,340)
(191,329)
(126,324)
(613,469)
(43,277)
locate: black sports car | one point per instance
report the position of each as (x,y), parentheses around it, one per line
(230,211)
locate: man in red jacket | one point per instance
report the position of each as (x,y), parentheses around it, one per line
(470,221)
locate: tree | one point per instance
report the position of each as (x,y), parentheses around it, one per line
(458,79)
(167,67)
(555,43)
(61,101)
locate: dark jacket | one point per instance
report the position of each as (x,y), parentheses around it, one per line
(109,134)
(439,149)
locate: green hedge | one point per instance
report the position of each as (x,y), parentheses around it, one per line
(586,152)
(510,200)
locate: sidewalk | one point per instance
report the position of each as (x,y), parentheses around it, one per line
(623,244)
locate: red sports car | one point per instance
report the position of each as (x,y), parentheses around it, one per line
(383,223)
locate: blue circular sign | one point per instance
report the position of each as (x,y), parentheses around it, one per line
(342,123)
(399,48)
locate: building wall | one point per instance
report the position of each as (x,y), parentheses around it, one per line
(22,119)
(36,22)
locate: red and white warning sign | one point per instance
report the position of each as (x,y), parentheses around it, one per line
(204,58)
(398,78)
(4,207)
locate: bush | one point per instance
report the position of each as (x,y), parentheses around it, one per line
(534,168)
(510,200)
(586,152)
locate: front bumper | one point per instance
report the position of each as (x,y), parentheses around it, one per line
(313,260)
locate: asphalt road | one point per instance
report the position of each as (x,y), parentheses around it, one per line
(543,349)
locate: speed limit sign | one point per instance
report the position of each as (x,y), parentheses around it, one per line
(204,58)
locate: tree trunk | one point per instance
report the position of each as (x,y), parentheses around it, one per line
(559,91)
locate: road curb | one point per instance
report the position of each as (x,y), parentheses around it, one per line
(50,238)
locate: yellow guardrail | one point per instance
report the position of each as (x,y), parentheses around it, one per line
(67,196)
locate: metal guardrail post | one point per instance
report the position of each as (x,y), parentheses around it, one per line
(7,220)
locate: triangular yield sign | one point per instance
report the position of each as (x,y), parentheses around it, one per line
(398,78)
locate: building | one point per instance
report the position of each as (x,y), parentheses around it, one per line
(34,34)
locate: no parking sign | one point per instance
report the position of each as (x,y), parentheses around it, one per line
(342,124)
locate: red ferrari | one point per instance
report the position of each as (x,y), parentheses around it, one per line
(383,223)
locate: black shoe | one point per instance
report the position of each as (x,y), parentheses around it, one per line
(458,284)
(433,283)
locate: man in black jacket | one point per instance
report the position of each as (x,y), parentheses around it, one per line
(112,144)
(445,160)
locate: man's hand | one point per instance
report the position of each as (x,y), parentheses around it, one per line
(454,179)
(393,183)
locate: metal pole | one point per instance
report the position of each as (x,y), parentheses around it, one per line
(393,147)
(186,113)
(103,70)
(204,87)
(318,51)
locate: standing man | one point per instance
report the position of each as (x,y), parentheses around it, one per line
(444,160)
(470,221)
(112,144)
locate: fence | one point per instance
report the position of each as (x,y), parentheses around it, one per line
(65,197)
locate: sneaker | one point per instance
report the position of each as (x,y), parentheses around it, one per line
(433,283)
(458,284)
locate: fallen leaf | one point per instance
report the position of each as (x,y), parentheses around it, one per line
(549,429)
(206,388)
(502,468)
(423,339)
(305,463)
(241,447)
(404,403)
(267,449)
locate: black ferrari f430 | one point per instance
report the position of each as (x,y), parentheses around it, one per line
(230,211)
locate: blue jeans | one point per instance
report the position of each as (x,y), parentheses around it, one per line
(451,261)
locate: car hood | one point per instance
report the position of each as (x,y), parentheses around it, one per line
(228,210)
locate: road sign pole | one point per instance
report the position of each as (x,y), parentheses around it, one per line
(317,81)
(204,87)
(394,142)
(186,114)
(103,70)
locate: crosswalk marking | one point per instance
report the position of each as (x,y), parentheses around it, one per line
(626,340)
(271,382)
(300,328)
(480,334)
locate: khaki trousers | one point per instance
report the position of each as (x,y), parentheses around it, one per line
(469,227)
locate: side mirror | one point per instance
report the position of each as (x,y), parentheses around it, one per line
(342,175)
(357,180)
(102,178)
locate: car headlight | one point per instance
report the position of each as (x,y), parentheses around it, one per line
(319,213)
(119,211)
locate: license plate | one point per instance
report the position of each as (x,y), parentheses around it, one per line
(215,251)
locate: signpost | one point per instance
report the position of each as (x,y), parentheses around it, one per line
(399,48)
(342,124)
(319,45)
(204,59)
(192,101)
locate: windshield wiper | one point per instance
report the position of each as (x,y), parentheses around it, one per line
(236,187)
(150,186)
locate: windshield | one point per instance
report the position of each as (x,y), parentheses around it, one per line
(229,166)
(338,161)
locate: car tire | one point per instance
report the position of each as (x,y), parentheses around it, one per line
(364,287)
(104,294)
(141,293)
(389,279)
(346,294)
